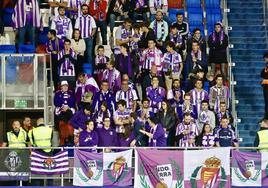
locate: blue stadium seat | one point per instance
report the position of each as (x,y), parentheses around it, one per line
(43,36)
(195,18)
(212,3)
(7,49)
(26,48)
(193,3)
(87,68)
(213,16)
(7,17)
(172,13)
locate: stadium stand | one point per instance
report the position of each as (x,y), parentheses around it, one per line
(249,39)
(152,85)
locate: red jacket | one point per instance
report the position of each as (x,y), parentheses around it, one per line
(99,11)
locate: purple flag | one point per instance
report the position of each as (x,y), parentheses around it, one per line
(49,165)
(99,169)
(158,168)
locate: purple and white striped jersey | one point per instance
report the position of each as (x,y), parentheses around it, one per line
(25,12)
(197,97)
(129,96)
(85,24)
(121,115)
(67,67)
(184,141)
(217,95)
(63,27)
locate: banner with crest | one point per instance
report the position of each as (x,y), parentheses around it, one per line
(14,164)
(249,169)
(158,168)
(207,168)
(102,169)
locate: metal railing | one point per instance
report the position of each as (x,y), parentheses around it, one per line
(63,179)
(265,16)
(230,65)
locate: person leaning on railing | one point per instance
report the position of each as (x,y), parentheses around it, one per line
(17,137)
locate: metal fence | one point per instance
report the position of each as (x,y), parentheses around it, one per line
(66,179)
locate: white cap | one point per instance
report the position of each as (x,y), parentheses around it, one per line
(64,83)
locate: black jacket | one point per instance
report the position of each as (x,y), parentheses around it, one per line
(143,43)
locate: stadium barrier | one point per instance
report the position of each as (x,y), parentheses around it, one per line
(146,166)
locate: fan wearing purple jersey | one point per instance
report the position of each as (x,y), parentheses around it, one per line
(113,76)
(157,135)
(172,64)
(67,61)
(89,137)
(64,101)
(62,25)
(104,95)
(107,135)
(87,25)
(186,107)
(186,132)
(155,94)
(121,116)
(175,95)
(127,94)
(26,19)
(198,94)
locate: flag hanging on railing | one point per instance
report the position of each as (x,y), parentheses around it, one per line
(99,169)
(208,168)
(14,164)
(249,169)
(49,165)
(158,168)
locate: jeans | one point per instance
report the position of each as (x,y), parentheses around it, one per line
(165,17)
(30,31)
(113,17)
(103,28)
(89,50)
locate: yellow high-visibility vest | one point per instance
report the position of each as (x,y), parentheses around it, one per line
(41,137)
(263,139)
(17,141)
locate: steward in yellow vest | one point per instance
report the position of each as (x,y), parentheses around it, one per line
(17,138)
(261,139)
(41,136)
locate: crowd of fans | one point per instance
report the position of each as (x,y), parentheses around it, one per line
(155,90)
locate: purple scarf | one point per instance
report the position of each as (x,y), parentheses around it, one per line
(199,55)
(178,39)
(128,64)
(139,4)
(214,38)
